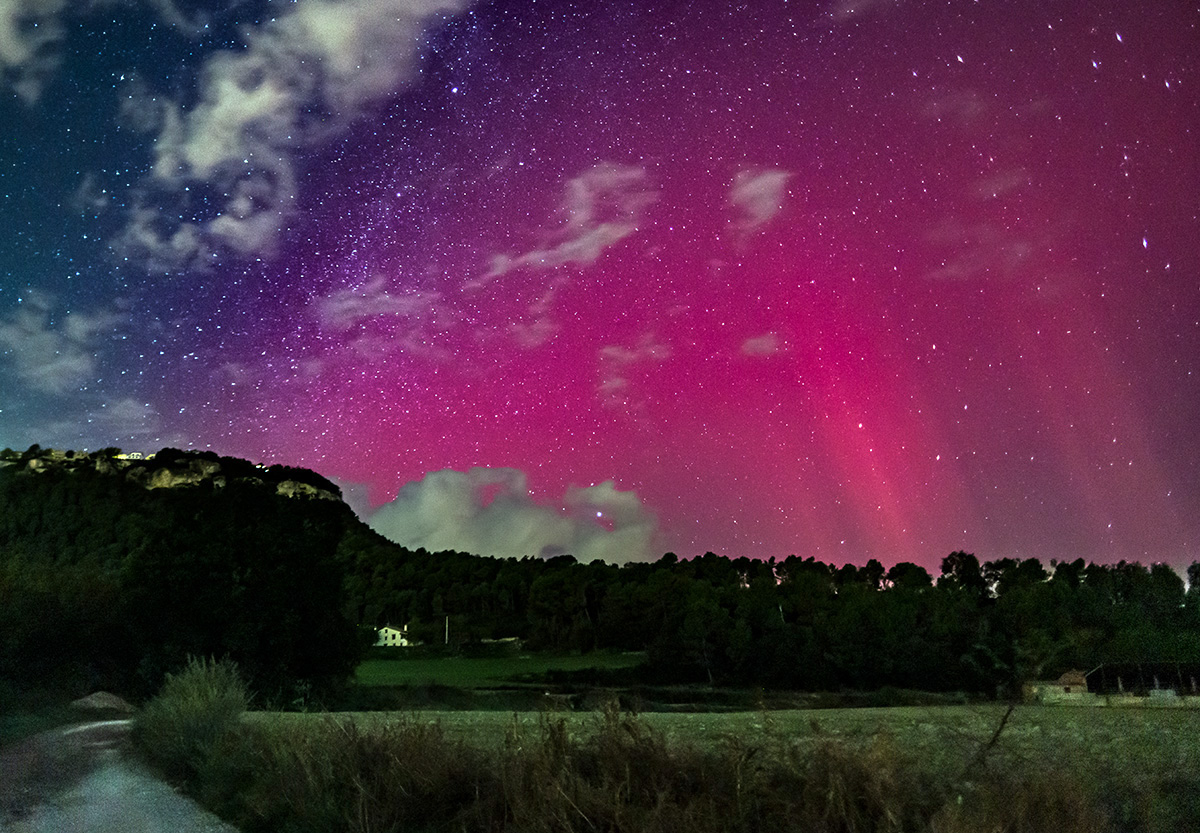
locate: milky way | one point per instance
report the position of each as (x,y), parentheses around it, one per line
(852,280)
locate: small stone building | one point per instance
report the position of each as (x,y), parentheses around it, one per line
(1072,685)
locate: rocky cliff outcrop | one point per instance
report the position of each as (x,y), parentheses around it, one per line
(293,488)
(172,469)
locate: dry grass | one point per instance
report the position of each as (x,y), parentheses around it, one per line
(618,773)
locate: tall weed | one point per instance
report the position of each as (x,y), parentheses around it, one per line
(180,729)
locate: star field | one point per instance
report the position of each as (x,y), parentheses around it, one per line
(851,280)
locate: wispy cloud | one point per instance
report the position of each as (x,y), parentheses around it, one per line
(379,320)
(841,11)
(31,35)
(1002,184)
(125,418)
(963,108)
(767,344)
(53,353)
(346,308)
(618,363)
(978,250)
(540,326)
(490,512)
(600,207)
(756,197)
(301,79)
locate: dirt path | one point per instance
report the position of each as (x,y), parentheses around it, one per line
(80,779)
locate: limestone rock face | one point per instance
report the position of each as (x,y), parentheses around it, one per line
(294,488)
(197,471)
(171,478)
(144,471)
(204,468)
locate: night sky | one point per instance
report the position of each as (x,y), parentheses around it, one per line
(851,280)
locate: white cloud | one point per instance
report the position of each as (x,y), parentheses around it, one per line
(979,250)
(301,80)
(1001,185)
(961,107)
(52,354)
(124,418)
(31,34)
(540,326)
(344,309)
(618,363)
(381,320)
(767,344)
(757,197)
(844,10)
(600,207)
(355,495)
(490,512)
(170,13)
(115,422)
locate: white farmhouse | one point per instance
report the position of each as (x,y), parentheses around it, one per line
(389,636)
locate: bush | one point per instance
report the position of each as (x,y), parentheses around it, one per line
(180,730)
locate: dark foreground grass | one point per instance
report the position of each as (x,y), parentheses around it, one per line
(611,771)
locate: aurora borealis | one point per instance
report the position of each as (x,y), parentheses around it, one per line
(852,280)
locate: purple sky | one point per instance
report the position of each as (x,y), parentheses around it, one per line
(851,280)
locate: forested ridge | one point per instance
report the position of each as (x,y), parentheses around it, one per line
(104,581)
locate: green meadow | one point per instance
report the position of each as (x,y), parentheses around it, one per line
(946,769)
(484,672)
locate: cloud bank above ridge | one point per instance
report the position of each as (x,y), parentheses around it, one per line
(489,511)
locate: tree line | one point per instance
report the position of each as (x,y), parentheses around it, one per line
(797,623)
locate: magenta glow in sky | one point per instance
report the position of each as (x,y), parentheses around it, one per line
(851,280)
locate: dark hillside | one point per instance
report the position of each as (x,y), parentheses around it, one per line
(112,572)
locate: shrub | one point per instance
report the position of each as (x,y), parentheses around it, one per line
(197,708)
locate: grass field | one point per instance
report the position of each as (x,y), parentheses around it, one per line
(947,769)
(482,672)
(1098,744)
(901,769)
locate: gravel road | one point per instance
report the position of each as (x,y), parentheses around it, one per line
(80,779)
